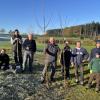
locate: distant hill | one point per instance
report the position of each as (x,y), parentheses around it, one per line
(88,30)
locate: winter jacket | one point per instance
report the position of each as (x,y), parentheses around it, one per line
(51,52)
(79,55)
(93,53)
(29,45)
(4,57)
(66,56)
(94,65)
(16,41)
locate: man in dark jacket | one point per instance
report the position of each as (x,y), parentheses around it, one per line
(66,60)
(94,50)
(80,55)
(16,41)
(29,47)
(4,59)
(51,52)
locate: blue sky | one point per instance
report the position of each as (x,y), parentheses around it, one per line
(23,14)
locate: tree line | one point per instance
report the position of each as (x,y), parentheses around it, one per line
(89,30)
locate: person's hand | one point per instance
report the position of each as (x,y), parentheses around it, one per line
(72,64)
(83,61)
(27,48)
(16,38)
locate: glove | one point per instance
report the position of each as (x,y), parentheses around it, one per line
(90,71)
(83,61)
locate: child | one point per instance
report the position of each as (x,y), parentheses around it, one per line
(94,66)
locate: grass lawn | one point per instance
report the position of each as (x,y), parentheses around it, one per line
(74,92)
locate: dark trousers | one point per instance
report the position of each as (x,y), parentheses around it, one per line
(67,72)
(95,76)
(18,57)
(5,64)
(79,67)
(52,65)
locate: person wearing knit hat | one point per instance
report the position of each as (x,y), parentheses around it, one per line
(94,66)
(95,50)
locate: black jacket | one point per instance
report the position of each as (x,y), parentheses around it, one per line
(4,58)
(31,44)
(66,56)
(93,53)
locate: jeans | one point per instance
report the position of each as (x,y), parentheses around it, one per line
(52,65)
(28,60)
(79,67)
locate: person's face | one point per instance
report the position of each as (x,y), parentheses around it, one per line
(98,45)
(97,55)
(30,37)
(3,51)
(66,43)
(52,40)
(78,44)
(16,33)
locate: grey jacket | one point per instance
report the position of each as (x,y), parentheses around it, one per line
(51,52)
(79,55)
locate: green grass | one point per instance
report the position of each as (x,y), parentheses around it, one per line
(40,46)
(74,92)
(5,44)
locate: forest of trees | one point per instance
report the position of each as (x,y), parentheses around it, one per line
(89,30)
(2,31)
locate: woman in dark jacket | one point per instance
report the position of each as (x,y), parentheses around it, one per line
(4,59)
(65,61)
(16,41)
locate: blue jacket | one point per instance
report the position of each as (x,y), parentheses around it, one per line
(79,55)
(93,53)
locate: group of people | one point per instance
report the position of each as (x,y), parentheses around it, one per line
(76,57)
(21,59)
(23,52)
(29,48)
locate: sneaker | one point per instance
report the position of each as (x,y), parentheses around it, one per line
(68,78)
(52,80)
(76,80)
(82,83)
(42,80)
(97,89)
